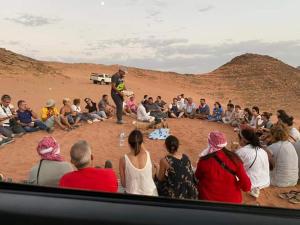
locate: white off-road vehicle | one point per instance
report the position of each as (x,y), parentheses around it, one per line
(100,78)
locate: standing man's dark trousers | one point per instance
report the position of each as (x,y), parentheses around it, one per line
(119,105)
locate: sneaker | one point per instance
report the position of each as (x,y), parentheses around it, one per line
(6,141)
(96,120)
(120,122)
(18,135)
(89,122)
(255,192)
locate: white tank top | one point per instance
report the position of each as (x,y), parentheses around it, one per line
(139,181)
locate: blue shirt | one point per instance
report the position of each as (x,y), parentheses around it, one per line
(25,117)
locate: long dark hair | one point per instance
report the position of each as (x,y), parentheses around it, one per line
(285,118)
(251,137)
(231,155)
(172,144)
(135,141)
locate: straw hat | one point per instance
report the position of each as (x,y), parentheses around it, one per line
(50,103)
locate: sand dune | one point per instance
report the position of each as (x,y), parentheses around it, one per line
(36,81)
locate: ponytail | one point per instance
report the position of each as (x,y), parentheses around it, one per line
(135,140)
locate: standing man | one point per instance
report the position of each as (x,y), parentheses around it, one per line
(117,88)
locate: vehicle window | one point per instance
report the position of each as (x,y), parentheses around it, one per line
(199,99)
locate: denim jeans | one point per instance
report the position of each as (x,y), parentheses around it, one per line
(38,125)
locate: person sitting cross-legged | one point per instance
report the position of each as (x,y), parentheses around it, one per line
(9,126)
(161,103)
(143,115)
(51,166)
(28,119)
(237,117)
(84,116)
(174,111)
(175,176)
(255,159)
(190,109)
(130,105)
(217,113)
(203,111)
(220,172)
(88,177)
(285,172)
(50,116)
(155,110)
(92,109)
(228,115)
(105,106)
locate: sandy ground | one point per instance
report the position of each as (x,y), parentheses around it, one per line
(17,158)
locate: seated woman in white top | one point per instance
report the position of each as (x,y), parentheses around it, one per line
(285,172)
(142,114)
(255,159)
(289,121)
(297,147)
(256,121)
(51,166)
(135,167)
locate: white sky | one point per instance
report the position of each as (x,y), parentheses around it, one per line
(185,36)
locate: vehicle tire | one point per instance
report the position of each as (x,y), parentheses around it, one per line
(102,82)
(107,83)
(95,82)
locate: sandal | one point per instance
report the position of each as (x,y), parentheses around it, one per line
(295,199)
(288,195)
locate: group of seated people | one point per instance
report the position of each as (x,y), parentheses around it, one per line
(266,153)
(17,122)
(223,172)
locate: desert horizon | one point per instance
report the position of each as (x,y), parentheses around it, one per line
(37,81)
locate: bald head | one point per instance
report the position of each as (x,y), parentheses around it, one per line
(81,154)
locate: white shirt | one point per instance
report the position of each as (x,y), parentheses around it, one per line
(5,112)
(142,115)
(181,105)
(285,173)
(295,134)
(259,173)
(256,121)
(297,147)
(139,181)
(190,107)
(76,108)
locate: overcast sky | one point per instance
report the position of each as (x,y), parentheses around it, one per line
(188,36)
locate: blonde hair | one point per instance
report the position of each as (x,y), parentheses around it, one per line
(280,132)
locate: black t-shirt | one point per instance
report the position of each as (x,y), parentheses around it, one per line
(92,108)
(119,81)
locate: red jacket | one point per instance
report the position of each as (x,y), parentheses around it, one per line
(94,179)
(217,184)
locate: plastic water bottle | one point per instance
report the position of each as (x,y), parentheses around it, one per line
(122,139)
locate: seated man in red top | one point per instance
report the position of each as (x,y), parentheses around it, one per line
(87,177)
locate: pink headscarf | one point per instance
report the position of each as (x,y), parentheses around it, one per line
(216,142)
(49,149)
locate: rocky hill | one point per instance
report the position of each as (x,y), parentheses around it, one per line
(261,79)
(12,63)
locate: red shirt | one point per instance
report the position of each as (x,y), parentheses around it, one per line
(95,179)
(217,184)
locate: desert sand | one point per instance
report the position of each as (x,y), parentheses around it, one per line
(35,82)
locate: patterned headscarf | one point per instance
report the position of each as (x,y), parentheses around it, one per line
(49,149)
(216,142)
